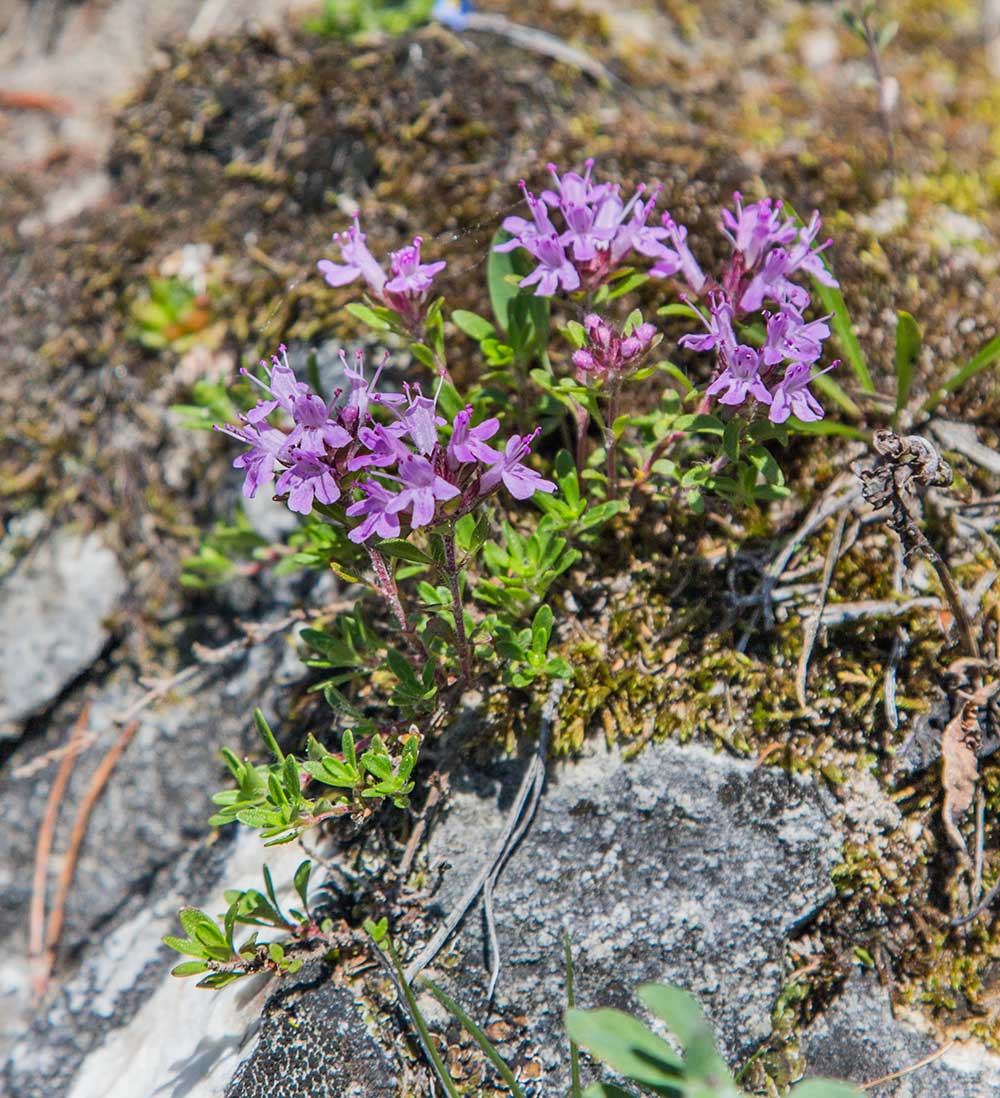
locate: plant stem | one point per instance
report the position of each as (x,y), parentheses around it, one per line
(582,423)
(457,611)
(610,443)
(390,592)
(665,443)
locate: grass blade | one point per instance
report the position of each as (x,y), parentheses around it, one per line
(574,1051)
(979,362)
(907,350)
(476,1034)
(843,329)
(426,1040)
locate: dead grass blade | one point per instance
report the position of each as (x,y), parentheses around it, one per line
(811,627)
(94,790)
(43,850)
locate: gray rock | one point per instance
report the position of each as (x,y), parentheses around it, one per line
(53,611)
(151,811)
(858,1039)
(313,1044)
(682,866)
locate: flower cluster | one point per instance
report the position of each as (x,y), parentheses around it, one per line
(392,469)
(609,356)
(768,250)
(405,289)
(599,232)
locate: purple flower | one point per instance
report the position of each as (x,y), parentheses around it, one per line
(384,448)
(420,419)
(554,268)
(362,392)
(720,330)
(314,431)
(790,337)
(740,379)
(358,261)
(375,505)
(773,281)
(575,189)
(306,480)
(407,286)
(282,387)
(792,396)
(520,480)
(600,231)
(524,233)
(634,234)
(409,275)
(266,444)
(609,355)
(468,444)
(678,258)
(422,488)
(756,228)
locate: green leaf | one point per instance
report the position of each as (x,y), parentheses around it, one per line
(607,1090)
(825,1088)
(680,310)
(829,427)
(541,628)
(424,355)
(626,1045)
(184,945)
(682,1015)
(189,968)
(907,350)
(367,316)
(301,882)
(979,362)
(731,439)
(832,389)
(700,424)
(627,285)
(475,326)
(523,317)
(265,733)
(404,550)
(347,749)
(499,267)
(378,765)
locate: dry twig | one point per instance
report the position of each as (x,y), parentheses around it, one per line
(43,849)
(811,627)
(79,831)
(910,460)
(517,823)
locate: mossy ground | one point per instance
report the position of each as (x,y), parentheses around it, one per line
(261,146)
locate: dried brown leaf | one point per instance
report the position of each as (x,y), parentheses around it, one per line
(960,745)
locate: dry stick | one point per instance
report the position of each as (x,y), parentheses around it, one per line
(94,790)
(43,848)
(811,627)
(491,927)
(908,1070)
(829,504)
(534,778)
(977,879)
(983,904)
(413,843)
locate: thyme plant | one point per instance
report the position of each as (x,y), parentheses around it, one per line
(456,515)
